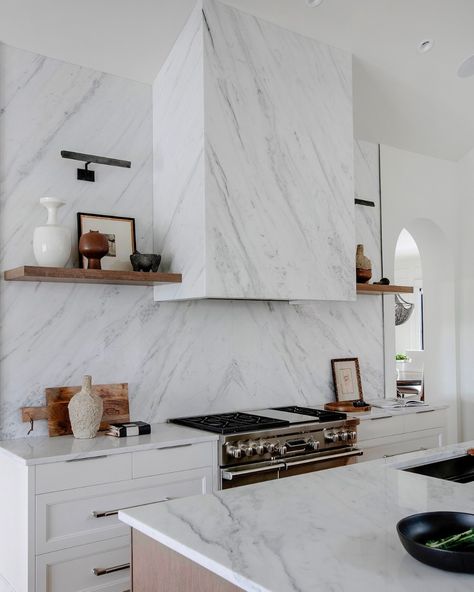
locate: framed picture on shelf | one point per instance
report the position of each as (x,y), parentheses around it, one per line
(347,381)
(121,236)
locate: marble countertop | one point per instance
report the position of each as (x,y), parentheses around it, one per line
(330,530)
(379,412)
(43,449)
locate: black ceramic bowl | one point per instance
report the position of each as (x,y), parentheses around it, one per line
(414,531)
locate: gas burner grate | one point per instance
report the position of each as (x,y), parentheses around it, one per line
(320,414)
(230,423)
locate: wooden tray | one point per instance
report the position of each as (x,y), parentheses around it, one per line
(346,407)
(116,407)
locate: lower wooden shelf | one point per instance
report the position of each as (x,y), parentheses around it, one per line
(29,273)
(376,289)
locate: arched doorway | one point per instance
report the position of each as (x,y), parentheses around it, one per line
(409,320)
(439,327)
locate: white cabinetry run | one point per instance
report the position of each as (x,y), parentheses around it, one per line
(382,435)
(60,524)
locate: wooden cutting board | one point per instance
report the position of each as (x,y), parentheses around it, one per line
(116,407)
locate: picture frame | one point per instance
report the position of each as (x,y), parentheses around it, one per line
(347,379)
(122,239)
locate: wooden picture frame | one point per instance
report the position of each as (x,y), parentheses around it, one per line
(347,380)
(122,238)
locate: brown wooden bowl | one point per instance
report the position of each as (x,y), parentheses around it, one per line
(346,407)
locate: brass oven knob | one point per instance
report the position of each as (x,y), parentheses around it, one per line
(260,448)
(234,451)
(249,450)
(282,450)
(313,444)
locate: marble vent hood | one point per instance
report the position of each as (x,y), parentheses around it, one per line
(253,162)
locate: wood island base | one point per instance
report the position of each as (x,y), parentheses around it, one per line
(156,568)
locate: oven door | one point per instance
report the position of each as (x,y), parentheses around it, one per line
(251,473)
(339,458)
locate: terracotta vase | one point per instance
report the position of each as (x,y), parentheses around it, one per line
(93,245)
(363,266)
(85,411)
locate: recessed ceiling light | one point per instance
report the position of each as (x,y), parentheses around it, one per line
(466,69)
(426,46)
(314,3)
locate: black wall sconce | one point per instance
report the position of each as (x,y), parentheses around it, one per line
(364,202)
(85,174)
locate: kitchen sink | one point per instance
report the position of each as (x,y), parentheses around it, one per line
(459,469)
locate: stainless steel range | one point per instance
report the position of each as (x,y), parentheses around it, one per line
(274,443)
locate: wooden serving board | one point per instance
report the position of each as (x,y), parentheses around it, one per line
(346,407)
(116,407)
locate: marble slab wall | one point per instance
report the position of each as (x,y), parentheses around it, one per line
(178,358)
(278,149)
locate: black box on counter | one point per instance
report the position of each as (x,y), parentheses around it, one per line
(129,428)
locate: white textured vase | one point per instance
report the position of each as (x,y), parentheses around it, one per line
(85,411)
(52,243)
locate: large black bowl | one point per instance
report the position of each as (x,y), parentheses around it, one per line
(414,531)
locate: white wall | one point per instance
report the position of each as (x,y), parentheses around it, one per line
(420,193)
(465,307)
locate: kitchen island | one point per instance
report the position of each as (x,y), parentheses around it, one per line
(332,530)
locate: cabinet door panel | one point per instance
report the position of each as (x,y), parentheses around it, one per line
(59,476)
(81,516)
(85,569)
(174,458)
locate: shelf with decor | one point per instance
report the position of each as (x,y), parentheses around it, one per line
(377,289)
(30,273)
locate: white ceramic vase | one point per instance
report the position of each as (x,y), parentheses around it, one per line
(85,411)
(52,243)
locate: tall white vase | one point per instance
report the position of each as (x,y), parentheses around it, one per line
(52,243)
(85,411)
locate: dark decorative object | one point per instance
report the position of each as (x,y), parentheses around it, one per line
(415,531)
(93,246)
(383,282)
(120,233)
(363,266)
(403,310)
(142,262)
(85,174)
(364,202)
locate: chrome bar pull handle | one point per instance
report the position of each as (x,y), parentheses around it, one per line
(107,513)
(103,571)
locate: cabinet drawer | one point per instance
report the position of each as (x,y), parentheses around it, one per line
(424,420)
(379,427)
(391,448)
(77,517)
(72,570)
(83,472)
(171,459)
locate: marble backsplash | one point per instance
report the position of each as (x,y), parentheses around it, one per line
(179,358)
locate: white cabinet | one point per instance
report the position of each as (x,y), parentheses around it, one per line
(384,436)
(67,536)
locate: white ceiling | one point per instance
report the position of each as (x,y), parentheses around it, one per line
(402,98)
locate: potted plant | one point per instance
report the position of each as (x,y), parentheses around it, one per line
(402,360)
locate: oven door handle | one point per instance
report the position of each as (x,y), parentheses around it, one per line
(228,475)
(308,461)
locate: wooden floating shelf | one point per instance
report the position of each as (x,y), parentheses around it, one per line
(376,289)
(28,273)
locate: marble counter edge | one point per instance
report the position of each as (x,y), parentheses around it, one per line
(128,518)
(22,450)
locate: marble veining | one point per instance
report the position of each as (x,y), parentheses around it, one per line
(178,358)
(367,179)
(275,216)
(330,530)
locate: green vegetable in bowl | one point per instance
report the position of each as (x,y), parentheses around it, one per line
(453,542)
